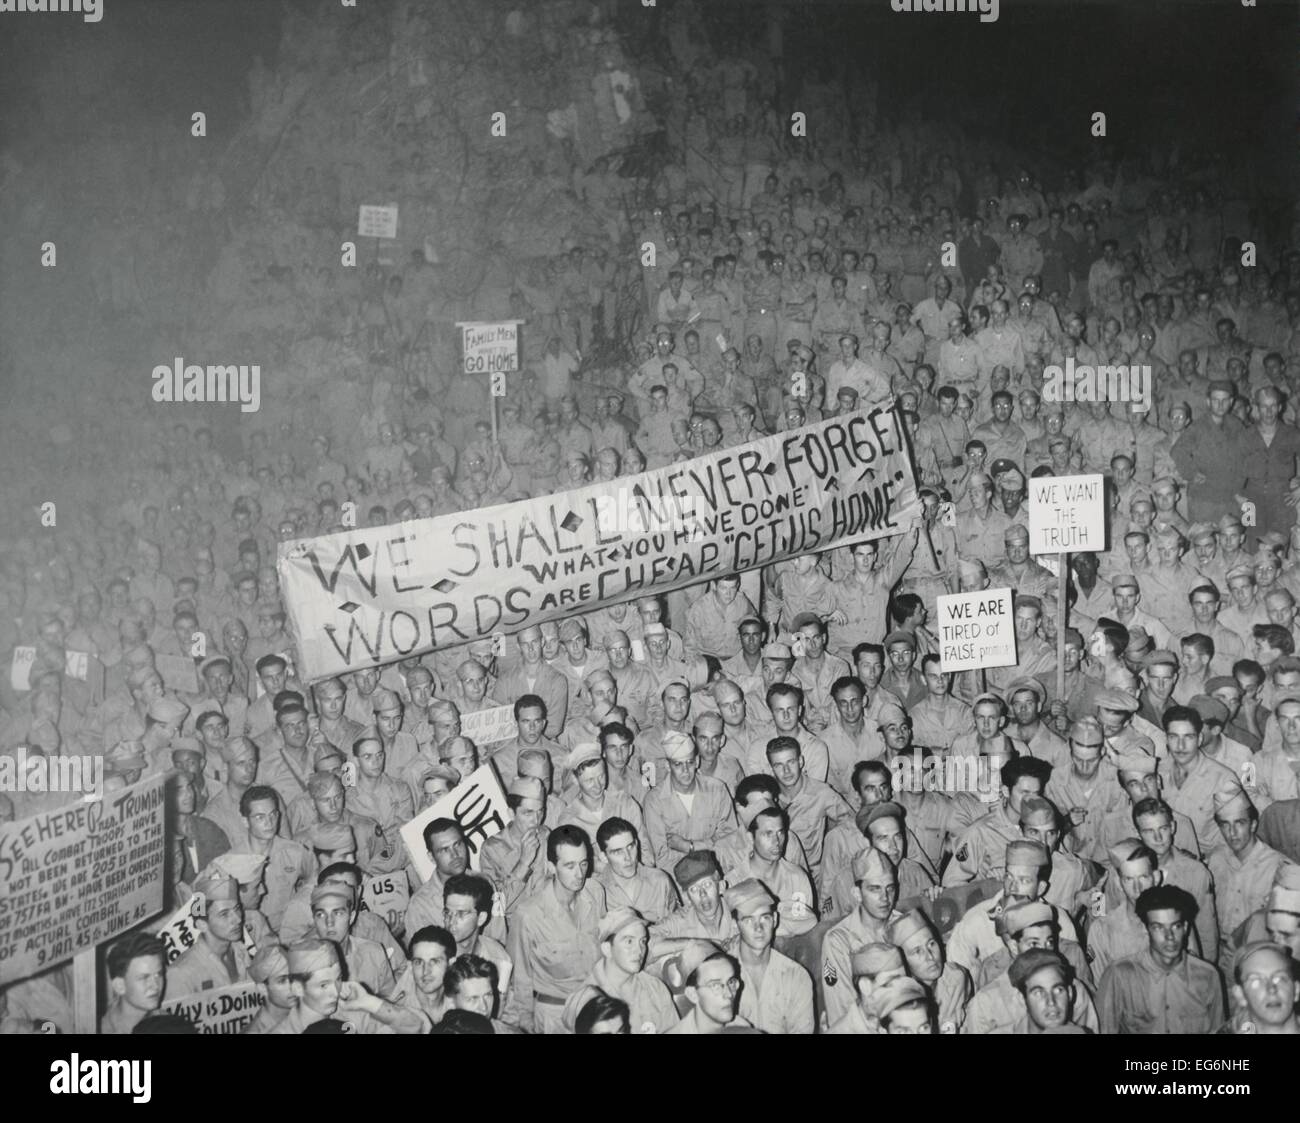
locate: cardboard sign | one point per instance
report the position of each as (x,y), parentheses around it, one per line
(489,727)
(78,876)
(490,348)
(368,596)
(20,670)
(180,931)
(377,222)
(385,893)
(1067,514)
(477,803)
(976,630)
(224,1010)
(179,674)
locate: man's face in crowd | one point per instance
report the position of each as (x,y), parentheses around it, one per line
(461,918)
(475,995)
(429,966)
(887,836)
(571,867)
(1048,997)
(870,668)
(878,893)
(263,819)
(618,751)
(1167,933)
(450,853)
(770,836)
(141,986)
(787,711)
(622,852)
(716,989)
(531,724)
(628,948)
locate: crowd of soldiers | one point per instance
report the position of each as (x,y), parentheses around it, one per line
(758,804)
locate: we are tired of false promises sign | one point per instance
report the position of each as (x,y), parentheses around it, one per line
(372,595)
(976,630)
(1067,514)
(79,875)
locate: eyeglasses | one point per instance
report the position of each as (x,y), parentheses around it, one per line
(719,986)
(1273,982)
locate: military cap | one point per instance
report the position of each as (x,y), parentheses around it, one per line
(214,661)
(804,620)
(1121,855)
(1115,699)
(319,784)
(696,866)
(585,753)
(214,885)
(1161,658)
(911,923)
(614,921)
(332,836)
(1210,709)
(269,962)
(889,996)
(125,756)
(747,897)
(890,713)
(874,960)
(243,867)
(572,629)
(189,745)
(333,890)
(1025,853)
(1200,532)
(1026,683)
(900,635)
(1124,581)
(311,955)
(1139,764)
(384,700)
(1229,522)
(523,787)
(168,711)
(871,863)
(1087,731)
(1221,682)
(1029,962)
(1231,799)
(1016,918)
(777,651)
(886,809)
(1242,570)
(677,746)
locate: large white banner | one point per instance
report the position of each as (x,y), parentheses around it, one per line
(371,595)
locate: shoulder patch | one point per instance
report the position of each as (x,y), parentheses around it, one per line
(829,975)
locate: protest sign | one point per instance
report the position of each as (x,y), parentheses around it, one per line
(385,894)
(1067,514)
(488,727)
(976,630)
(371,595)
(477,803)
(490,348)
(20,670)
(178,673)
(180,931)
(224,1010)
(78,876)
(377,222)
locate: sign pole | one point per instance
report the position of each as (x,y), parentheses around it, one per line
(84,995)
(1063,560)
